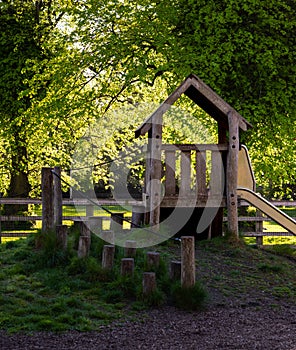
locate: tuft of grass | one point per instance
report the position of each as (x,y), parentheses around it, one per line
(265,267)
(189,298)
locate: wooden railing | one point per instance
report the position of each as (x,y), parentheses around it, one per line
(201,170)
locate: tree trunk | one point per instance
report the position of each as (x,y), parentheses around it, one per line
(19,186)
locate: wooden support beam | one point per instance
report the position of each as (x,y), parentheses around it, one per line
(156,169)
(231,175)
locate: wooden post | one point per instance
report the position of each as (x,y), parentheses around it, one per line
(187,261)
(83,246)
(149,283)
(175,270)
(47,200)
(127,266)
(108,256)
(137,216)
(57,195)
(147,189)
(231,175)
(130,249)
(62,235)
(156,167)
(153,259)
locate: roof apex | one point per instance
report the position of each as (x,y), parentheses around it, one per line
(204,97)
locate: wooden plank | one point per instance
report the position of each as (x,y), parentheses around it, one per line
(185,185)
(195,147)
(19,218)
(36,201)
(263,234)
(188,202)
(170,173)
(201,185)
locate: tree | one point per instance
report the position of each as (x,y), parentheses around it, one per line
(243,49)
(32,136)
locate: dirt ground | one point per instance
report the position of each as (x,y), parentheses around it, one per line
(247,328)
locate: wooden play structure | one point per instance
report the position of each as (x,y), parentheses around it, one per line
(217,184)
(220,191)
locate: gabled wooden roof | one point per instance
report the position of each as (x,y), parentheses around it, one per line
(204,97)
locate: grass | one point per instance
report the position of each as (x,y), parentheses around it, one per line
(51,289)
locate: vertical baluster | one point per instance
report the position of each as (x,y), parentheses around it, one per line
(185,186)
(201,173)
(170,172)
(217,174)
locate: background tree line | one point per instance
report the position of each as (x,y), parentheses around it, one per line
(65,64)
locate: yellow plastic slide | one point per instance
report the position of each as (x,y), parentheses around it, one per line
(246,187)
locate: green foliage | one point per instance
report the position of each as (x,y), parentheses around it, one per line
(62,68)
(242,49)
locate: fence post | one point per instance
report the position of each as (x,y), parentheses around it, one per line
(187,261)
(47,199)
(57,196)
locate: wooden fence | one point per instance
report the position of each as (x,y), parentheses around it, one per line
(245,222)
